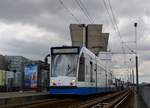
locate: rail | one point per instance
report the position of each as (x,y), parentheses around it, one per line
(99,102)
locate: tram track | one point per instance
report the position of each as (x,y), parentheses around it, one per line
(26,103)
(100,102)
(118,101)
(45,103)
(112,100)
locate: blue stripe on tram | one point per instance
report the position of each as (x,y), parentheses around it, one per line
(79,90)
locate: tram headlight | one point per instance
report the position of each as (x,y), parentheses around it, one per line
(73,81)
(52,81)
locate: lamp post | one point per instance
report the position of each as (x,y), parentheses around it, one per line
(136,58)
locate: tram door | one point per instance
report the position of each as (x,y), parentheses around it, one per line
(81,74)
(92,74)
(95,70)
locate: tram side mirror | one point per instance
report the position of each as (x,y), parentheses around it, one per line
(46,58)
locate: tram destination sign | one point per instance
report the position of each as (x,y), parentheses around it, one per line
(68,50)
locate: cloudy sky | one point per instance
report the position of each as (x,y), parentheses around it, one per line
(30,27)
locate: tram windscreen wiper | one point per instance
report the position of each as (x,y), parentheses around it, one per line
(70,71)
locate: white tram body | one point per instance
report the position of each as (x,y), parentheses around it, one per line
(77,71)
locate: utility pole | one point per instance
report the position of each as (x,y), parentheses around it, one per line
(130,70)
(136,58)
(133,76)
(132,73)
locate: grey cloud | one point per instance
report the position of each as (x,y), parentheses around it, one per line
(26,9)
(33,50)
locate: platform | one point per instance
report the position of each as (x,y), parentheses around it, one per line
(17,97)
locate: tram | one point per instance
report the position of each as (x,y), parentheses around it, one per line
(78,71)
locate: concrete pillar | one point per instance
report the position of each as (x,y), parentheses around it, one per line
(77,32)
(96,40)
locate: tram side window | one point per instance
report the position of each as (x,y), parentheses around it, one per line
(91,72)
(81,74)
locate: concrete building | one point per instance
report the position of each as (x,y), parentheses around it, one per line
(90,36)
(96,40)
(77,32)
(16,63)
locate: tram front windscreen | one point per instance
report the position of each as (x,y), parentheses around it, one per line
(64,62)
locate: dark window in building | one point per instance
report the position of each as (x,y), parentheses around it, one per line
(81,74)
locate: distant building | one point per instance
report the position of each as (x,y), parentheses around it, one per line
(41,64)
(16,63)
(3,63)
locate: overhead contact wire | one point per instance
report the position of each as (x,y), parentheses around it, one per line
(84,10)
(70,12)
